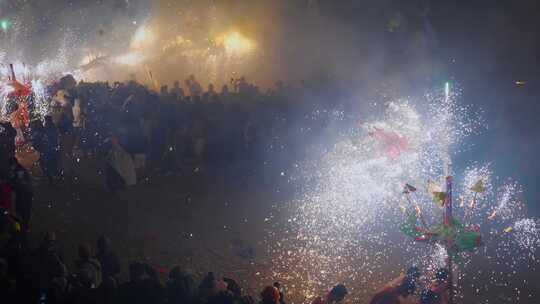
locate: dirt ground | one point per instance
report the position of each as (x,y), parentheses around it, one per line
(202,219)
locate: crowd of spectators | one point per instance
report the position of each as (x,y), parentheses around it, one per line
(163,131)
(136,132)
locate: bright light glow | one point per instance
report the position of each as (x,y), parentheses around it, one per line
(143,37)
(90,58)
(4,24)
(130,59)
(236,44)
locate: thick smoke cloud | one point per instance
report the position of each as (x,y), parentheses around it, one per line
(61,32)
(310,42)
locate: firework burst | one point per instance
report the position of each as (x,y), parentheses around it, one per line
(344,225)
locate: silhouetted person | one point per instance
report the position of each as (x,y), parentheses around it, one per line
(110,263)
(143,286)
(395,294)
(269,295)
(281,295)
(177,91)
(107,292)
(24,194)
(336,295)
(206,287)
(47,146)
(86,278)
(7,285)
(181,288)
(49,273)
(88,269)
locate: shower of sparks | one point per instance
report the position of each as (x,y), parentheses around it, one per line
(527,233)
(344,226)
(235,44)
(507,204)
(38,77)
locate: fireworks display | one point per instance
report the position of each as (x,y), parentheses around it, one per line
(345,223)
(344,226)
(130,38)
(34,79)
